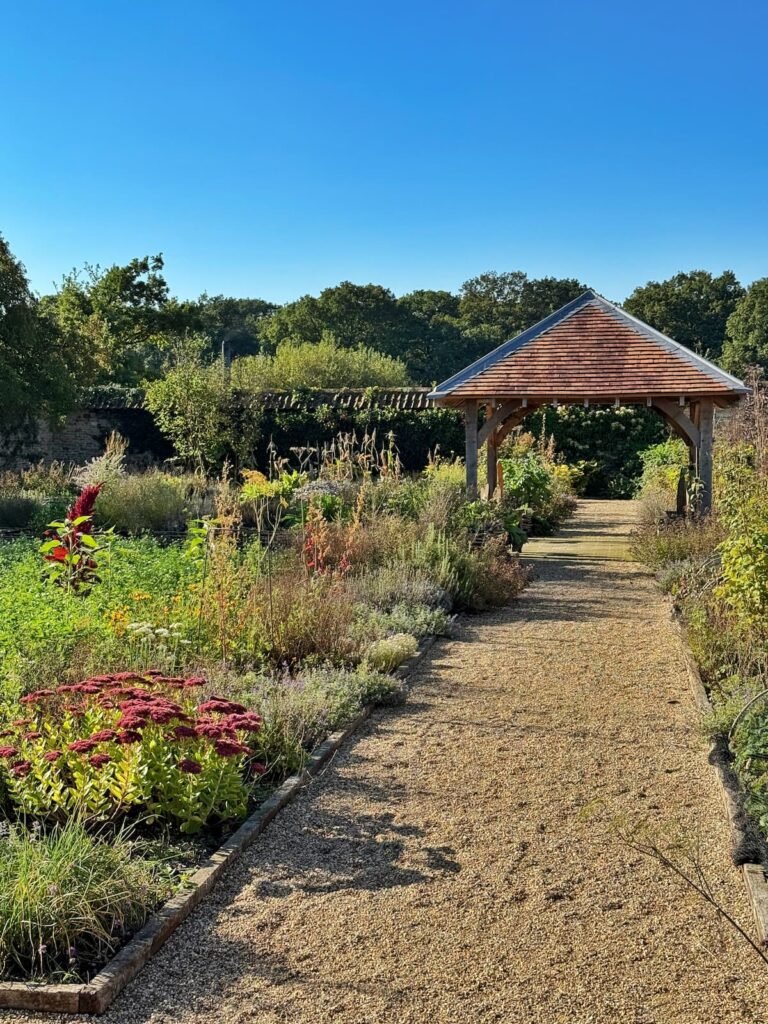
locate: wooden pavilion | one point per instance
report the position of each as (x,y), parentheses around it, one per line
(590,352)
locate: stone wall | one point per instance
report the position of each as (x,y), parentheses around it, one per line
(81,437)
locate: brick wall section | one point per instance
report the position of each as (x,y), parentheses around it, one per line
(81,437)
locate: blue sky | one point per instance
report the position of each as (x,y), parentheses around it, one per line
(273,149)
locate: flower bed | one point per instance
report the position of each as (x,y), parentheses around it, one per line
(153,693)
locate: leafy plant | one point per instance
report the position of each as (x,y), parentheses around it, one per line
(123,742)
(70,553)
(69,897)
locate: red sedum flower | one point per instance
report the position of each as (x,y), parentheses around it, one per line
(230,748)
(99,760)
(190,767)
(8,752)
(83,746)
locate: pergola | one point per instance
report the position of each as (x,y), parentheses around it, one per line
(590,352)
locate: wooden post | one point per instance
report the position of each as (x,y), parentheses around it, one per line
(470,454)
(491,464)
(706,440)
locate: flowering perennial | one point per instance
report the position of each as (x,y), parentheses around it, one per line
(128,743)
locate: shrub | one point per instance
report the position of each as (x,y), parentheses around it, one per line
(297,711)
(68,898)
(385,655)
(476,578)
(677,541)
(122,742)
(150,502)
(323,364)
(288,620)
(388,586)
(18,512)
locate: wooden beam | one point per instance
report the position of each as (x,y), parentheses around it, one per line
(491,462)
(495,420)
(706,442)
(470,453)
(682,423)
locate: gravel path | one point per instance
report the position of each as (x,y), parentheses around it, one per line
(457,861)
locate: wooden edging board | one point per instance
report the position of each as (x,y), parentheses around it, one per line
(95,997)
(746,846)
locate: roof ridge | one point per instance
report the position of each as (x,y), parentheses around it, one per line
(588,298)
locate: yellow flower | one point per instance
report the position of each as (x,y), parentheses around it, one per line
(140,595)
(118,620)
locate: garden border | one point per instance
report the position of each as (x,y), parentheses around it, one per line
(96,996)
(746,845)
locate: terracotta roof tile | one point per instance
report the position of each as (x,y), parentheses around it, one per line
(593,350)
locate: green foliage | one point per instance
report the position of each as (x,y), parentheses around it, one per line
(386,654)
(68,899)
(747,330)
(693,308)
(38,372)
(149,502)
(606,442)
(661,469)
(195,408)
(744,561)
(128,743)
(323,364)
(114,317)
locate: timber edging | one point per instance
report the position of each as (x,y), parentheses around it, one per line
(96,996)
(747,847)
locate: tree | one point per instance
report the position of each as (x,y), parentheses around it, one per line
(355,314)
(35,376)
(692,308)
(747,330)
(495,307)
(230,324)
(436,347)
(116,316)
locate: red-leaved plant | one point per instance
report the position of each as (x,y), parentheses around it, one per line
(127,743)
(69,551)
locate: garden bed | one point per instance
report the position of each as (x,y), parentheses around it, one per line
(95,996)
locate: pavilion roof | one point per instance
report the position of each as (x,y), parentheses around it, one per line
(590,349)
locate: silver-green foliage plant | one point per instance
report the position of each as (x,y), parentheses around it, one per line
(387,654)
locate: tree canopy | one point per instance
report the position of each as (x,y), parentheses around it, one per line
(35,375)
(747,330)
(692,308)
